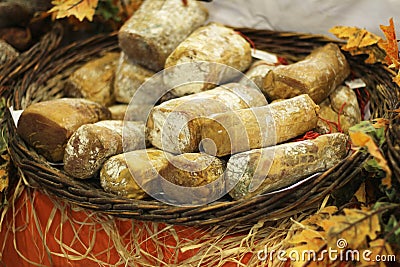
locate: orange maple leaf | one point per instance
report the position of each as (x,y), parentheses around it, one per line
(81,9)
(390,45)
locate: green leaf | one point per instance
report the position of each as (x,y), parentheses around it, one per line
(108,10)
(367,127)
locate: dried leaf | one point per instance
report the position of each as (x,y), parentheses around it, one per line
(360,41)
(396,78)
(362,136)
(306,240)
(81,9)
(3,179)
(390,45)
(357,38)
(361,194)
(353,227)
(377,251)
(326,231)
(380,123)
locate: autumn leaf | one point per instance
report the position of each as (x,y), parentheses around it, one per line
(361,194)
(3,179)
(365,135)
(356,37)
(390,45)
(353,227)
(326,230)
(360,41)
(377,249)
(81,9)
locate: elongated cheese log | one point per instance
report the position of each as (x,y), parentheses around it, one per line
(212,43)
(342,104)
(118,111)
(134,173)
(47,126)
(156,29)
(257,73)
(202,172)
(317,75)
(240,130)
(128,78)
(263,170)
(174,125)
(94,80)
(91,145)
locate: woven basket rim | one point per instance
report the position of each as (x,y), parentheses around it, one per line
(34,72)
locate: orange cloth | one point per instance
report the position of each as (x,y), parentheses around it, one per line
(34,212)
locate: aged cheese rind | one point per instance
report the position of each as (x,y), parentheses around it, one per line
(240,130)
(343,104)
(91,145)
(174,125)
(194,170)
(94,80)
(157,28)
(263,170)
(118,111)
(211,43)
(129,77)
(317,75)
(47,126)
(134,173)
(257,73)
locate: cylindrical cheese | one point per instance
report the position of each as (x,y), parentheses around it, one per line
(317,75)
(47,126)
(193,179)
(174,125)
(94,80)
(128,78)
(257,73)
(229,53)
(118,111)
(157,28)
(240,130)
(134,173)
(92,144)
(341,105)
(262,170)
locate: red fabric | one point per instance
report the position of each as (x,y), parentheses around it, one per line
(29,248)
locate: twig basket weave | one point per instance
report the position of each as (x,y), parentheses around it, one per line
(38,75)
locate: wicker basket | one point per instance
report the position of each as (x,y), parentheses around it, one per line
(38,75)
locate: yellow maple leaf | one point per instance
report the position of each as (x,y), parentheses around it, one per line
(342,234)
(360,41)
(307,245)
(361,139)
(356,37)
(377,253)
(81,9)
(353,227)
